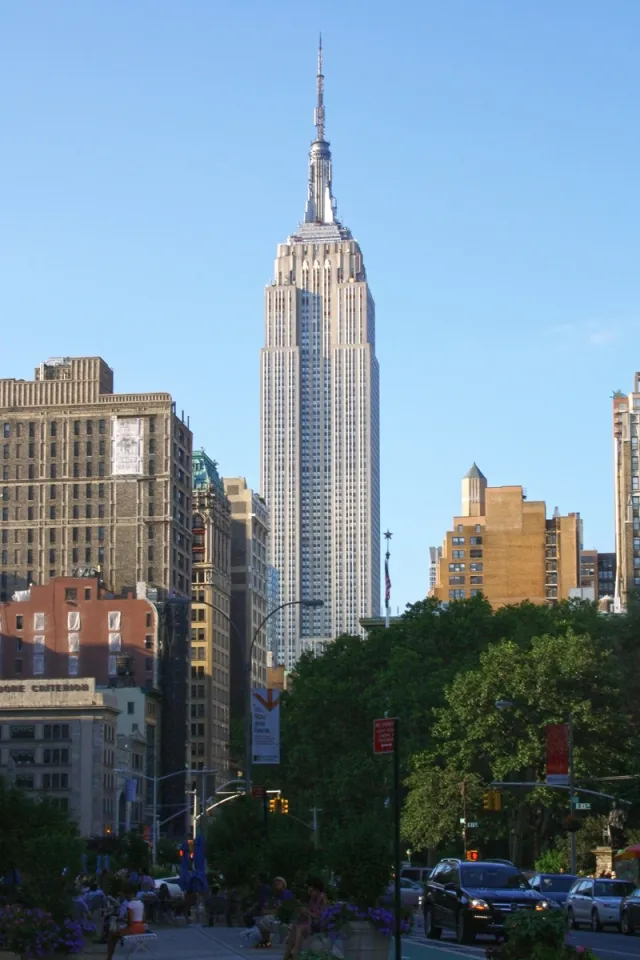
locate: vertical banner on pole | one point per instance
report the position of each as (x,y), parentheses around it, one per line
(265,726)
(557,736)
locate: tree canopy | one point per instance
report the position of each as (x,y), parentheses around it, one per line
(441,669)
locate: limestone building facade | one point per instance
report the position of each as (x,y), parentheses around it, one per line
(210,619)
(320,422)
(92,479)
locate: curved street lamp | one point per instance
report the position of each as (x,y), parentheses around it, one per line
(309,605)
(248,668)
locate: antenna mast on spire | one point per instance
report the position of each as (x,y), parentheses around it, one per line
(319,111)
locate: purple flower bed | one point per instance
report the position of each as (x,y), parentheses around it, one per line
(34,933)
(340,914)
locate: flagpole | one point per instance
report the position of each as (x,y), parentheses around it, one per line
(387,580)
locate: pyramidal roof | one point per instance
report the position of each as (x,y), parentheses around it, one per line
(474,473)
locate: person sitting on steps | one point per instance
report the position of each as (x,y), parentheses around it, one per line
(308,921)
(135,923)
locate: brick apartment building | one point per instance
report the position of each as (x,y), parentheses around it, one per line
(505,547)
(72,627)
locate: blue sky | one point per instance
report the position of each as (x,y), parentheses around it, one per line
(485,156)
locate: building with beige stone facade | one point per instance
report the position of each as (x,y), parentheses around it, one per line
(504,547)
(626,433)
(58,738)
(249,588)
(92,479)
(210,619)
(320,423)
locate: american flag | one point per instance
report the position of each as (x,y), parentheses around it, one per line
(387,583)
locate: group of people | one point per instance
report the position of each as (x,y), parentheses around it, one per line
(267,910)
(123,914)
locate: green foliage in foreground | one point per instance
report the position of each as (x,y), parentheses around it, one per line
(42,843)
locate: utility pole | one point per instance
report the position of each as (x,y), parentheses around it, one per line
(314,825)
(572,799)
(463,790)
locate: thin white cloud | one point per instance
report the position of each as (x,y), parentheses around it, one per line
(591,334)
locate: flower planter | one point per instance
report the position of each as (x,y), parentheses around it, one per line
(361,941)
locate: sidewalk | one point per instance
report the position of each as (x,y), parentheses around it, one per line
(227,940)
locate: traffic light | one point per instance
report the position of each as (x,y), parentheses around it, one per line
(492,800)
(284,806)
(273,804)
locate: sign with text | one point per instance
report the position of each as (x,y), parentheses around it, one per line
(558,753)
(265,726)
(384,735)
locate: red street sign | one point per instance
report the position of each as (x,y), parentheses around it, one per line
(383,735)
(258,792)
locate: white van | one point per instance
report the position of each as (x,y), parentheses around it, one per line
(417,874)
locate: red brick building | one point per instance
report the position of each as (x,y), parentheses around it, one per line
(71,627)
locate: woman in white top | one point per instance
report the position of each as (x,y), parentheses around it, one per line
(135,923)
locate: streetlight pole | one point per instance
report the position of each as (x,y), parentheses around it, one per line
(248,667)
(248,726)
(154,812)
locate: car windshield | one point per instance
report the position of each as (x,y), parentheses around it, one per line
(493,878)
(612,888)
(560,884)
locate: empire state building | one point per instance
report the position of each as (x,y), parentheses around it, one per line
(320,422)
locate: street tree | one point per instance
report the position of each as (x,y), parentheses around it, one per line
(546,678)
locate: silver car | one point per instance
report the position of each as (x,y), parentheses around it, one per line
(596,903)
(411,893)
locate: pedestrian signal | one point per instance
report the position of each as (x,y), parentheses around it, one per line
(473,855)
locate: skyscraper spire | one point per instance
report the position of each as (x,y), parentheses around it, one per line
(319,111)
(321,205)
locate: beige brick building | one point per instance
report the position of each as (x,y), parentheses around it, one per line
(249,572)
(210,614)
(92,478)
(504,547)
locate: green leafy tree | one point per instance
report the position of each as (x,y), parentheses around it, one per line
(327,720)
(240,848)
(546,678)
(361,856)
(41,842)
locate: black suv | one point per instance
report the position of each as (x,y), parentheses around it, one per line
(473,898)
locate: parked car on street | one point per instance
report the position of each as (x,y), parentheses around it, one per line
(554,886)
(411,894)
(597,903)
(174,888)
(417,874)
(630,913)
(473,898)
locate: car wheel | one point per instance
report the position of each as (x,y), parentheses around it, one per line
(431,932)
(625,924)
(463,933)
(596,926)
(571,917)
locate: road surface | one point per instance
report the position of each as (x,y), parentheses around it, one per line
(606,946)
